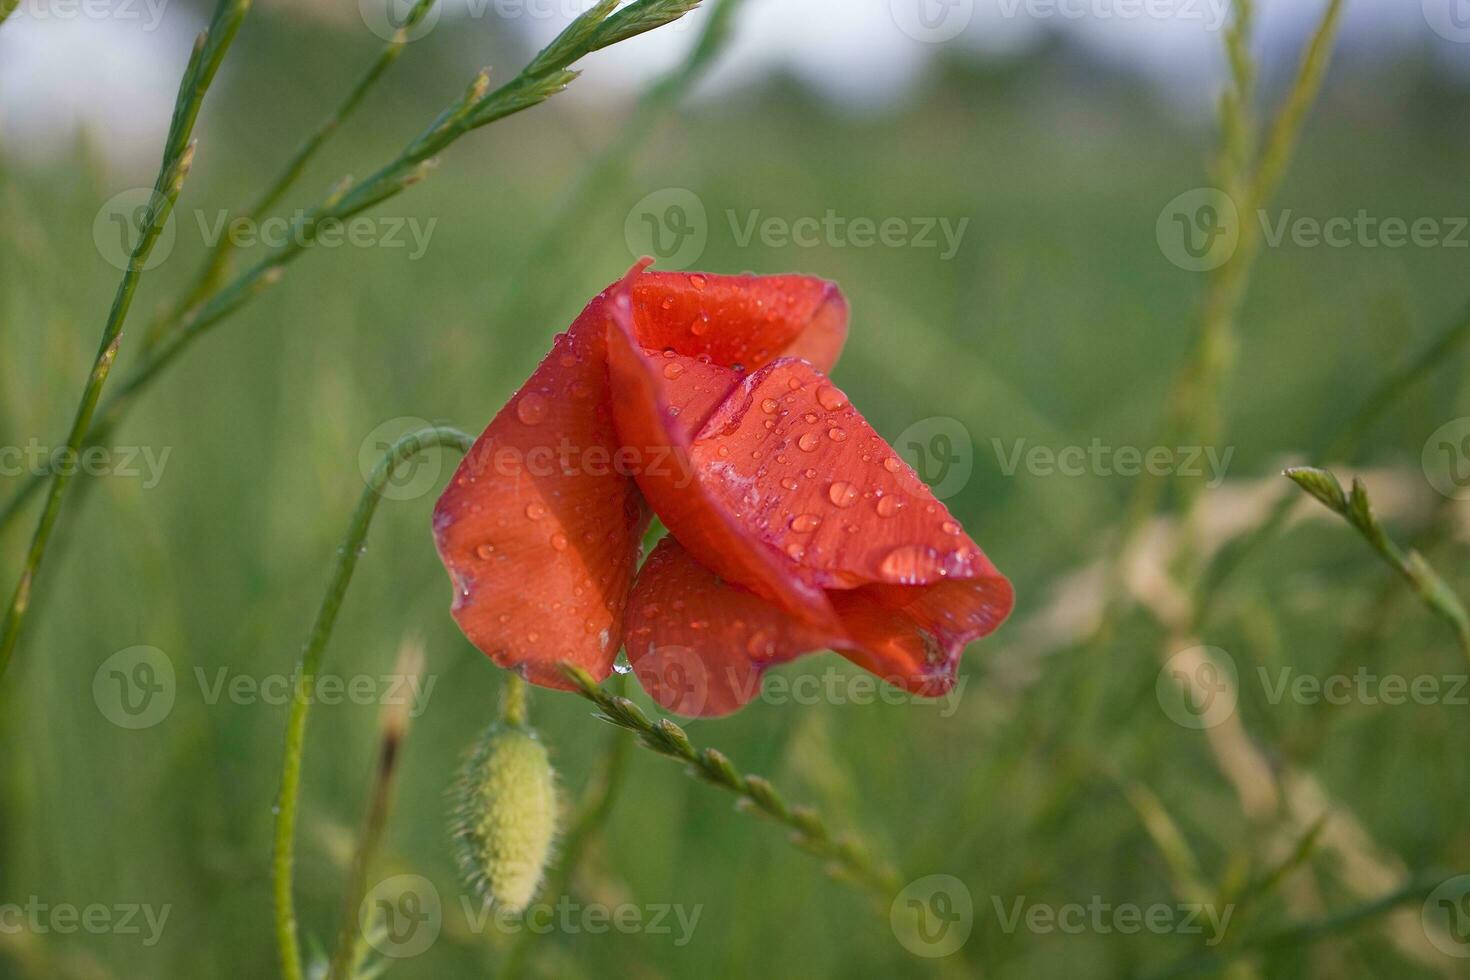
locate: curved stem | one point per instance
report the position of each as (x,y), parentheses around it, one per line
(845,854)
(306,670)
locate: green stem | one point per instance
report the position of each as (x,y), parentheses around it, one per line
(218,262)
(310,663)
(844,854)
(513,700)
(178,156)
(592,813)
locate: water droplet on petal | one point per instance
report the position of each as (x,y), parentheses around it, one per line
(673,369)
(485,552)
(559,541)
(803,523)
(769,406)
(908,564)
(535,511)
(892,464)
(796,551)
(697,281)
(532,408)
(830,398)
(950,527)
(842,493)
(807,442)
(837,433)
(790,483)
(888,506)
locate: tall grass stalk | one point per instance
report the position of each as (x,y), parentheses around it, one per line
(547,74)
(392,731)
(1357,510)
(1192,411)
(178,156)
(610,167)
(217,263)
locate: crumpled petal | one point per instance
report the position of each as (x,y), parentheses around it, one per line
(649,417)
(541,526)
(700,644)
(746,321)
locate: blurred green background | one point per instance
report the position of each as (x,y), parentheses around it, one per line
(1059,321)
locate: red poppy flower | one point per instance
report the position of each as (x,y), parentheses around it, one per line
(793,526)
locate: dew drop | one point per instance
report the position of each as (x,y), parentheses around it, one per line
(697,281)
(842,493)
(802,523)
(807,442)
(950,527)
(892,464)
(888,506)
(796,551)
(668,303)
(559,541)
(532,408)
(769,406)
(673,369)
(790,483)
(485,551)
(908,563)
(837,433)
(535,511)
(830,398)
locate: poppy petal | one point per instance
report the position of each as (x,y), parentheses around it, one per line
(646,398)
(912,636)
(807,474)
(746,320)
(698,643)
(539,529)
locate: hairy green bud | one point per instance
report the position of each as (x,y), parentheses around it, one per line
(505,815)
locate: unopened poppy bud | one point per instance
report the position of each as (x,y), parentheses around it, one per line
(505,815)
